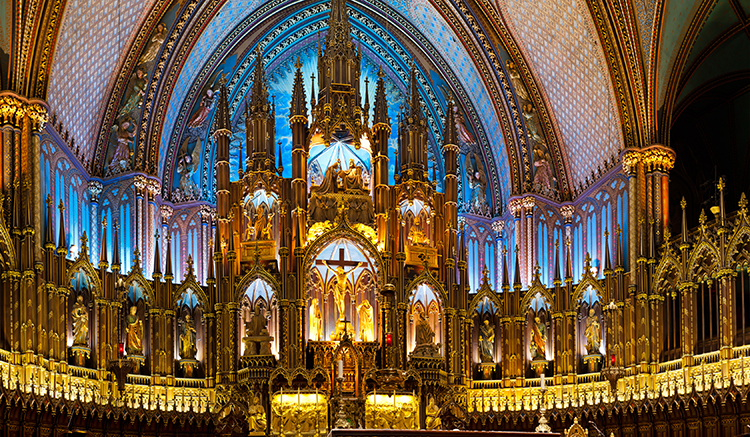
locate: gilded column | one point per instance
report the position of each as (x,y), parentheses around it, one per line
(630,164)
(528,207)
(152,224)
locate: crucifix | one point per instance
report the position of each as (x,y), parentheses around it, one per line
(341,287)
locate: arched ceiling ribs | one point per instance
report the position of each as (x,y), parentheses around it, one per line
(493,26)
(677,67)
(615,25)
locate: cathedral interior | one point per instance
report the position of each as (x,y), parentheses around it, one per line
(283,218)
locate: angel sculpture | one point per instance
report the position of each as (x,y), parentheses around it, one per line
(187,165)
(477,181)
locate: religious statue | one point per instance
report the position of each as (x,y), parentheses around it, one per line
(136,93)
(538,340)
(477,182)
(187,339)
(124,137)
(366,326)
(352,177)
(263,224)
(257,339)
(330,180)
(424,338)
(416,236)
(341,287)
(80,317)
(432,418)
(487,342)
(256,415)
(515,80)
(187,165)
(592,333)
(160,34)
(135,332)
(316,321)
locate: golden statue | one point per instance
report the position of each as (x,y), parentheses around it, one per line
(487,342)
(366,325)
(256,415)
(538,340)
(341,287)
(80,323)
(187,339)
(135,332)
(432,415)
(592,333)
(316,321)
(416,235)
(351,178)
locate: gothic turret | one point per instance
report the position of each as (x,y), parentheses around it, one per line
(298,124)
(412,138)
(260,122)
(380,133)
(338,108)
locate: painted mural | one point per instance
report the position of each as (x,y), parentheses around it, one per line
(122,134)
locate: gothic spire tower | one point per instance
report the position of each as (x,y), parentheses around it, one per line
(339,61)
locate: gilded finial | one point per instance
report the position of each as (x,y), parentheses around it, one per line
(618,231)
(702,219)
(60,206)
(298,63)
(104,222)
(606,232)
(557,244)
(721,185)
(49,200)
(743,204)
(683,203)
(587,260)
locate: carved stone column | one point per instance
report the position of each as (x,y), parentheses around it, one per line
(528,208)
(95,189)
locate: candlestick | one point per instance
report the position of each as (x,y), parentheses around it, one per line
(544,382)
(341,369)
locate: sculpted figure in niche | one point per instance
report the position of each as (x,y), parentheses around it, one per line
(135,332)
(256,415)
(515,80)
(416,235)
(538,339)
(366,325)
(593,333)
(330,180)
(155,44)
(432,412)
(187,339)
(477,181)
(424,332)
(352,177)
(80,317)
(487,342)
(316,321)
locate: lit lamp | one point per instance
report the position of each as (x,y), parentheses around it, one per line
(121,367)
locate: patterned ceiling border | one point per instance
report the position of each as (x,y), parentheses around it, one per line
(119,88)
(47,51)
(552,134)
(627,63)
(512,136)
